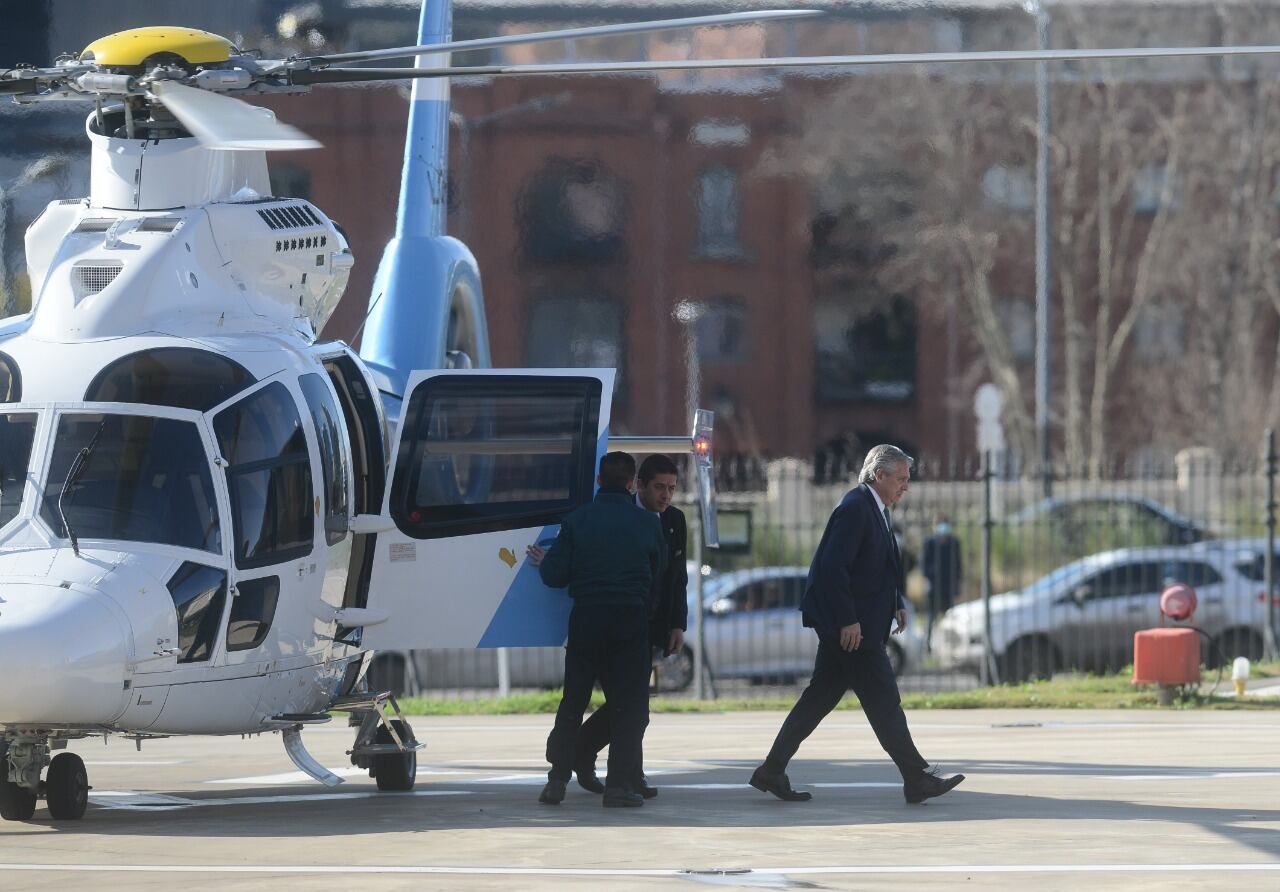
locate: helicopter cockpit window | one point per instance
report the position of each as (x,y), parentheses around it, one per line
(327,419)
(198,595)
(496,455)
(17,430)
(269,477)
(183,377)
(137,478)
(10,380)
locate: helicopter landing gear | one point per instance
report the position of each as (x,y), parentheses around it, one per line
(17,802)
(65,790)
(384,746)
(66,787)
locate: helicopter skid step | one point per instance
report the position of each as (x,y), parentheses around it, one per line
(304,760)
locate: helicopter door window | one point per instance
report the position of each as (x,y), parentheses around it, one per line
(10,380)
(269,477)
(17,431)
(183,377)
(198,595)
(252,610)
(139,478)
(326,419)
(494,454)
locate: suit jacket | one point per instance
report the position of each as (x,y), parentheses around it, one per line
(670,599)
(855,571)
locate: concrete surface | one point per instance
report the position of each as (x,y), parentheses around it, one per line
(1058,799)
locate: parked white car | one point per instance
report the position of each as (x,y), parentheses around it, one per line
(1084,614)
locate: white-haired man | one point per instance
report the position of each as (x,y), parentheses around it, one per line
(851,598)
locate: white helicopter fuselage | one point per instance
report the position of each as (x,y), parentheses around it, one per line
(178,263)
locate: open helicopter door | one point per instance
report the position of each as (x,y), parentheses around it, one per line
(486,462)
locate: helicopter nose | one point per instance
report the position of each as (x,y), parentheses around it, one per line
(62,657)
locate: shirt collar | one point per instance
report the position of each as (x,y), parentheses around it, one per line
(640,505)
(875,495)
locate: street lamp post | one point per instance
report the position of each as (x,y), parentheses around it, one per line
(686,313)
(1036,8)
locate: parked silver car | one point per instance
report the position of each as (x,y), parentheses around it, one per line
(755,631)
(1084,614)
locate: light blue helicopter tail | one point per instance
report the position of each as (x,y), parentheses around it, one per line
(426,308)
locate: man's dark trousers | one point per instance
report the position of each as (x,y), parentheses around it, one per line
(609,642)
(868,673)
(597,731)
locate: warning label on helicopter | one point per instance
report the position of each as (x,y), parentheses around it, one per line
(404,551)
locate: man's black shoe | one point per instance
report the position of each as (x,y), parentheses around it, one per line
(778,784)
(642,787)
(619,797)
(552,793)
(929,785)
(587,779)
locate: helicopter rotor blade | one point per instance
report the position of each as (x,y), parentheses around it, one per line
(404,52)
(221,122)
(353,75)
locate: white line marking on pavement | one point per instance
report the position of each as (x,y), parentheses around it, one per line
(864,870)
(159,802)
(97,762)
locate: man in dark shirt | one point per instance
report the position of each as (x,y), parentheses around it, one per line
(669,614)
(608,555)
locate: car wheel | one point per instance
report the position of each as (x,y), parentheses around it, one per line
(1028,659)
(387,673)
(675,673)
(1240,643)
(897,658)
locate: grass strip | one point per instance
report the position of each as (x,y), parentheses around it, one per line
(1115,691)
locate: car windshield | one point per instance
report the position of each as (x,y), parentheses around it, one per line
(140,478)
(1073,570)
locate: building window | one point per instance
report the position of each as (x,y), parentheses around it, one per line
(572,210)
(865,352)
(290,181)
(718,210)
(583,331)
(1018,317)
(721,331)
(1160,332)
(1148,189)
(1008,187)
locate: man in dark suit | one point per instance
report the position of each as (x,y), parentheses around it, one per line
(608,554)
(851,598)
(656,485)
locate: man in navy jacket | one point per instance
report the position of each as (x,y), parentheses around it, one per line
(851,599)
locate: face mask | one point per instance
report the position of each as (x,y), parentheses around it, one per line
(943,529)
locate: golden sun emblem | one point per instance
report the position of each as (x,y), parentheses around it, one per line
(507,556)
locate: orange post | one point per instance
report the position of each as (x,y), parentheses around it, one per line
(1169,656)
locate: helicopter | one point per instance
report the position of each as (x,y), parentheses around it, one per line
(210,519)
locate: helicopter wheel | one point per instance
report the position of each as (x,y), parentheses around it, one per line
(66,787)
(396,771)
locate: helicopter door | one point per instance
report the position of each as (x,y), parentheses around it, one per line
(486,463)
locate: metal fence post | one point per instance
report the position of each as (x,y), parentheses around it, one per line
(699,619)
(1268,559)
(989,674)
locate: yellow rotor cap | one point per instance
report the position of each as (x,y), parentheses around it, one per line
(131,48)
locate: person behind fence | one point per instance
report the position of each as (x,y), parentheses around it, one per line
(940,562)
(608,554)
(850,600)
(669,610)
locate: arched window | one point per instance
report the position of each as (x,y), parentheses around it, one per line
(182,377)
(718,212)
(10,380)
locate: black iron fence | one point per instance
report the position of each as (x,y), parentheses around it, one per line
(1011,572)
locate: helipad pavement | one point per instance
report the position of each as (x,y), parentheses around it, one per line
(1058,800)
